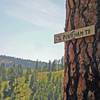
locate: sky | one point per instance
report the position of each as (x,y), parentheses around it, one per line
(27,28)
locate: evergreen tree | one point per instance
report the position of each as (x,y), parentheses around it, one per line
(27,74)
(3,71)
(49,66)
(33,84)
(37,65)
(0,87)
(5,92)
(11,74)
(62,63)
(19,70)
(54,65)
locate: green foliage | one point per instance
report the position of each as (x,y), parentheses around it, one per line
(2,72)
(29,84)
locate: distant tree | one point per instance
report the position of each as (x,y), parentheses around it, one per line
(27,74)
(58,64)
(29,71)
(49,76)
(5,92)
(19,70)
(45,67)
(11,74)
(3,71)
(54,65)
(33,85)
(32,80)
(37,64)
(11,80)
(62,62)
(49,66)
(0,87)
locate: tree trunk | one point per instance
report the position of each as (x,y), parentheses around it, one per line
(82,56)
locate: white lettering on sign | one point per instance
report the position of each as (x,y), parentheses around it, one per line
(74,34)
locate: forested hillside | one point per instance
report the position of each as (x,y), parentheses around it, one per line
(31,83)
(26,63)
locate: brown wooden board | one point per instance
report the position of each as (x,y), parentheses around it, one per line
(74,34)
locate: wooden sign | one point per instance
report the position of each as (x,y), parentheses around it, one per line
(74,34)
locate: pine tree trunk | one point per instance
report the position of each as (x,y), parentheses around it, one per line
(82,56)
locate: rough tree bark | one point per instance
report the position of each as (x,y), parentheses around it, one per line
(82,56)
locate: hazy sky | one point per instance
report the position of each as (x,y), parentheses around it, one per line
(27,28)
